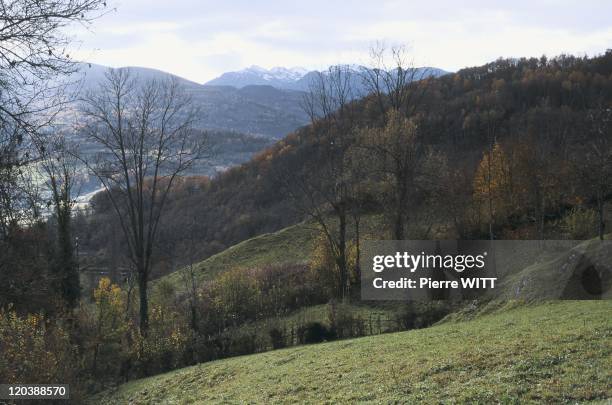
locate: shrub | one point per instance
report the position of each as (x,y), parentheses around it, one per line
(312,332)
(579,223)
(284,288)
(108,327)
(407,317)
(323,267)
(277,337)
(242,344)
(167,340)
(422,315)
(36,351)
(342,322)
(236,294)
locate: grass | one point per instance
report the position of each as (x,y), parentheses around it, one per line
(503,351)
(292,245)
(552,352)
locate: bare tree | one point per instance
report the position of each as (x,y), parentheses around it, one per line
(144,132)
(190,278)
(33,59)
(594,165)
(491,119)
(399,89)
(388,77)
(59,166)
(324,194)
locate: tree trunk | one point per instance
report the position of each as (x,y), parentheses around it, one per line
(398,229)
(193,306)
(342,255)
(357,219)
(194,318)
(67,274)
(144,302)
(602,222)
(490,197)
(539,214)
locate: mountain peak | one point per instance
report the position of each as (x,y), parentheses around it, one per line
(252,68)
(280,77)
(295,78)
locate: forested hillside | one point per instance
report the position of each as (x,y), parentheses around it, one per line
(533,117)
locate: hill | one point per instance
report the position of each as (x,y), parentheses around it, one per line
(553,352)
(291,245)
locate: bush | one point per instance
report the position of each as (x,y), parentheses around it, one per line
(407,317)
(579,223)
(422,315)
(284,288)
(102,330)
(324,269)
(237,296)
(277,338)
(242,344)
(343,323)
(36,351)
(313,332)
(166,342)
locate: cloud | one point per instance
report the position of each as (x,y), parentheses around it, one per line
(201,39)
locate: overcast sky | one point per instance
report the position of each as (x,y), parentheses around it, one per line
(199,39)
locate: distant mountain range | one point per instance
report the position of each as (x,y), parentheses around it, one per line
(244,111)
(296,78)
(253,101)
(260,110)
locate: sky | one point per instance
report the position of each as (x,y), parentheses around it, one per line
(200,39)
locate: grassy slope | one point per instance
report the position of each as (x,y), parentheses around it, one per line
(290,245)
(560,351)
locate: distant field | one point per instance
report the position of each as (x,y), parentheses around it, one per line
(552,352)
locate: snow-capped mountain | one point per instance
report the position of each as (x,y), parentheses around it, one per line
(295,78)
(279,77)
